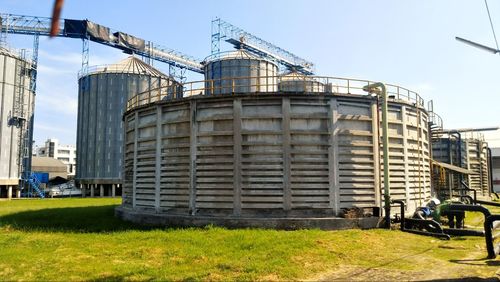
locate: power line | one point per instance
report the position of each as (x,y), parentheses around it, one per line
(491,23)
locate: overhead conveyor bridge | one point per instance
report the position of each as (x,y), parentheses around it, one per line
(87,30)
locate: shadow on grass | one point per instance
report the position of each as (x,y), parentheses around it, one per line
(464,279)
(478,262)
(72,219)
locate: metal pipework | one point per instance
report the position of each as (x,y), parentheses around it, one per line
(490,170)
(493,128)
(381,90)
(420,222)
(490,238)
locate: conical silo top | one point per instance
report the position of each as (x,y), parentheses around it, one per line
(239,54)
(5,51)
(12,53)
(130,65)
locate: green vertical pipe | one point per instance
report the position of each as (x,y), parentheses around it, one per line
(372,88)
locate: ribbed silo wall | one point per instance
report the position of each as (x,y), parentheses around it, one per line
(15,78)
(101,103)
(240,75)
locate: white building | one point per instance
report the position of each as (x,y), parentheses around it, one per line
(64,153)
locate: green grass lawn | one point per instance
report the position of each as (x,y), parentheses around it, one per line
(80,239)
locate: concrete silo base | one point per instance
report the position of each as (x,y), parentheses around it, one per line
(283,223)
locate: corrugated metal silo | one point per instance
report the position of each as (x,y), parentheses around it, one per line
(240,72)
(103,94)
(16,109)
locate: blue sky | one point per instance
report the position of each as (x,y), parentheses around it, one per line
(407,43)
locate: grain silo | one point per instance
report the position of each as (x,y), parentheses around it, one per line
(103,93)
(239,72)
(271,158)
(16,111)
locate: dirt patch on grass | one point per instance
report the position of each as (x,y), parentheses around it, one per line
(472,268)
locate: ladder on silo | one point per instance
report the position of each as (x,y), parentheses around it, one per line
(18,118)
(3,34)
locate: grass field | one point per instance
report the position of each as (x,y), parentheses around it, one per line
(79,239)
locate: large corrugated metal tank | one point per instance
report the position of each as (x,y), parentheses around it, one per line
(298,83)
(16,110)
(102,96)
(268,156)
(240,72)
(473,153)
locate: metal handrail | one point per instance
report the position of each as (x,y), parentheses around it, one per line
(268,84)
(436,120)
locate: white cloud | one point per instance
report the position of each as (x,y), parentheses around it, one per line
(493,138)
(69,58)
(73,60)
(423,88)
(51,128)
(48,70)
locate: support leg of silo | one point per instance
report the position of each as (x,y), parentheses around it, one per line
(84,191)
(101,190)
(113,190)
(92,190)
(18,193)
(9,192)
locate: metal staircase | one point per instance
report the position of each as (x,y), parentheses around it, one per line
(35,184)
(435,121)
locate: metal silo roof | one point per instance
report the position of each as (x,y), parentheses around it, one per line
(232,55)
(129,65)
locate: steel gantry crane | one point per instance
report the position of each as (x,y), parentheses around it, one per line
(245,40)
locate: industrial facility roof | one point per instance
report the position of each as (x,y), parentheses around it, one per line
(47,164)
(129,65)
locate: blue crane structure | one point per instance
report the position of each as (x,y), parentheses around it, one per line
(90,31)
(245,40)
(87,31)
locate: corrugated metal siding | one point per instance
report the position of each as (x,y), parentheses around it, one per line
(13,78)
(102,99)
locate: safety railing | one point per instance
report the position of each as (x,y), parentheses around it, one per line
(269,84)
(436,121)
